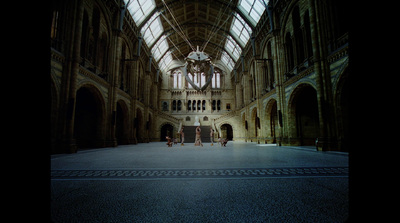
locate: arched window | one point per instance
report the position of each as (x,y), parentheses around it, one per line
(219,105)
(194,105)
(189,106)
(179,105)
(174,105)
(204,105)
(289,52)
(177,79)
(165,106)
(216,80)
(309,50)
(199,79)
(198,105)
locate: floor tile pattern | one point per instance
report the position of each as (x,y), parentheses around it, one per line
(200,173)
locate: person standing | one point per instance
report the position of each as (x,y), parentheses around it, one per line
(212,136)
(182,136)
(197,142)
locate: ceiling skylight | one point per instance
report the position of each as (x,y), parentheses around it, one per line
(232,47)
(164,62)
(160,47)
(152,29)
(253,9)
(240,29)
(227,60)
(140,9)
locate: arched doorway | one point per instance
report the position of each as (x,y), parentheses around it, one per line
(226,131)
(139,126)
(304,116)
(88,122)
(166,130)
(254,126)
(122,130)
(244,127)
(272,121)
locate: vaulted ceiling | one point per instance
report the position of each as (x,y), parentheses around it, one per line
(174,28)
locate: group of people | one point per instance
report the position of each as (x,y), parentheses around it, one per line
(197,141)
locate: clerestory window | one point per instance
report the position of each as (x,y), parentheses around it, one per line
(140,9)
(253,9)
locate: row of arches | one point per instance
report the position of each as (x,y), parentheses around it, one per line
(93,126)
(301,123)
(193,105)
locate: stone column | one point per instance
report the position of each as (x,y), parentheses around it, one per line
(69,143)
(278,55)
(239,95)
(327,139)
(115,80)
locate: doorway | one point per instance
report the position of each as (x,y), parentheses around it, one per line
(226,131)
(166,130)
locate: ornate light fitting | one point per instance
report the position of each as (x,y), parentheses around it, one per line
(198,63)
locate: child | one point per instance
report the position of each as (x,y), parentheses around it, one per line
(224,141)
(169,143)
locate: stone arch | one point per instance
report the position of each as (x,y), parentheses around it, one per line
(122,123)
(303,116)
(166,129)
(245,126)
(271,121)
(226,130)
(254,126)
(139,126)
(89,119)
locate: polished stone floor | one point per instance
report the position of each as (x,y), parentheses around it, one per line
(243,182)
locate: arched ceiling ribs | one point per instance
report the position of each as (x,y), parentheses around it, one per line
(210,4)
(179,45)
(219,27)
(193,25)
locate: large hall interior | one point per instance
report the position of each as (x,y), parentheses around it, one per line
(269,77)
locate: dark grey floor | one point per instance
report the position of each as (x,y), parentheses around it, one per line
(243,182)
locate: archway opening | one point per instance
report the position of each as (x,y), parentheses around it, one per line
(166,130)
(139,126)
(88,119)
(254,126)
(306,115)
(272,121)
(122,123)
(227,131)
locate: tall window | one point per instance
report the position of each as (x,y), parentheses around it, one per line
(177,79)
(199,79)
(216,80)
